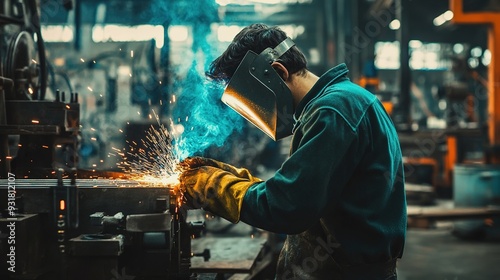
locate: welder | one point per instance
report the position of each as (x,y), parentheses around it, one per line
(339,197)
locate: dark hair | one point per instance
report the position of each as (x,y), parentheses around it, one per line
(256,37)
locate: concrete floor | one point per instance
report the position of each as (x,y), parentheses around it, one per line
(437,254)
(430,254)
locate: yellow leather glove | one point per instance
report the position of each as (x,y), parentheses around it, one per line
(215,186)
(194,162)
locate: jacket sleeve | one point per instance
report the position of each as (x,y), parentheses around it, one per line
(298,193)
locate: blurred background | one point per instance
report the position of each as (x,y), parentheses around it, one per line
(83,81)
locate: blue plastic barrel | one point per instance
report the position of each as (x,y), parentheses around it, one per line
(476,185)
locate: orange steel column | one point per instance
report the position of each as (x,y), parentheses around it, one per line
(451,159)
(492,19)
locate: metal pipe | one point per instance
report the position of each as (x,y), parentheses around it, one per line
(4,138)
(77,43)
(492,19)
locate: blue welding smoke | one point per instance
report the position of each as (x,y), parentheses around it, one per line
(206,120)
(209,121)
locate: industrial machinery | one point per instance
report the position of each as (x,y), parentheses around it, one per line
(56,225)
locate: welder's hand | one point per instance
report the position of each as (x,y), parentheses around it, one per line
(195,162)
(217,190)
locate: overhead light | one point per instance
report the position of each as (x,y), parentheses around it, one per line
(227,33)
(473,62)
(443,18)
(415,44)
(486,60)
(476,52)
(395,24)
(387,55)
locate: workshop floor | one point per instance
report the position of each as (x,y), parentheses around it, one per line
(437,254)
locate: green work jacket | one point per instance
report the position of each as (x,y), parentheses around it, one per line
(340,196)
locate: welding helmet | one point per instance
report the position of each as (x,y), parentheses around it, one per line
(260,95)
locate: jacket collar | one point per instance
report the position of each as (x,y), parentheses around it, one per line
(326,79)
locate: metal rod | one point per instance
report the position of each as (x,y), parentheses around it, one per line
(403,121)
(4,138)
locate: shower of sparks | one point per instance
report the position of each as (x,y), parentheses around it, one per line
(156,162)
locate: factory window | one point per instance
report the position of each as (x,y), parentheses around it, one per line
(178,33)
(121,33)
(269,2)
(226,33)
